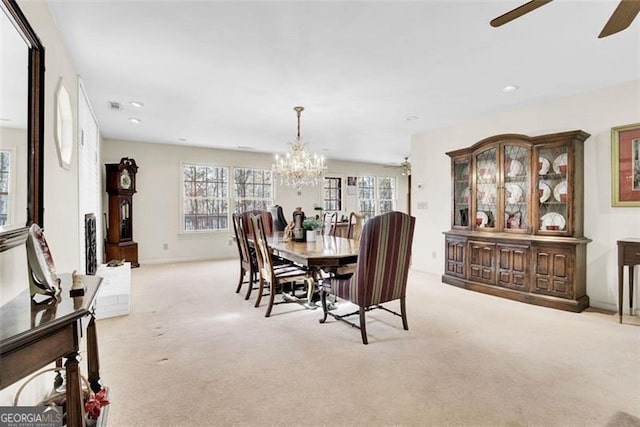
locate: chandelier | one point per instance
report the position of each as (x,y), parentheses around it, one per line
(406,167)
(298,168)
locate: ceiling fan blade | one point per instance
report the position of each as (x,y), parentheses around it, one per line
(621,18)
(518,12)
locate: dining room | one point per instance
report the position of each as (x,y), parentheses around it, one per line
(192,351)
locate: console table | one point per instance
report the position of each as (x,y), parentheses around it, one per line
(628,254)
(35,335)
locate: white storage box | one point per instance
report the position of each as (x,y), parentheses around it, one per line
(115,291)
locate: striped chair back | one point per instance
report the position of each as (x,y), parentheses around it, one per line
(383,262)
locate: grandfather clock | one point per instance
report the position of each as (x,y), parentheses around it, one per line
(121,185)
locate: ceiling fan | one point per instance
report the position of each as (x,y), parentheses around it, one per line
(621,18)
(405,166)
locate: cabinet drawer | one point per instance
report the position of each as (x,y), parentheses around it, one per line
(631,255)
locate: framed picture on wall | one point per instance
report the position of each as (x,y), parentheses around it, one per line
(352,182)
(625,165)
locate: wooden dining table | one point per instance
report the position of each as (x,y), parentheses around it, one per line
(325,253)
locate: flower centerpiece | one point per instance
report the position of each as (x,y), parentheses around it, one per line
(311,225)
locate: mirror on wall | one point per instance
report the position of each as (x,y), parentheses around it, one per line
(21,124)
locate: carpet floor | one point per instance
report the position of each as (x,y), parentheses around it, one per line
(192,352)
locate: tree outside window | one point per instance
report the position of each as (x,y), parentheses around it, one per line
(376,195)
(332,194)
(253,189)
(206,203)
(5,168)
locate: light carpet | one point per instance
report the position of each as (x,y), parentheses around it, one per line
(194,353)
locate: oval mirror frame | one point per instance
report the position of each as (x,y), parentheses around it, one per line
(14,235)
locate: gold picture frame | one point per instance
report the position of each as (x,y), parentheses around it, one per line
(625,166)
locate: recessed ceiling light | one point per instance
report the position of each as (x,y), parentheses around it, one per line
(134,120)
(137,104)
(510,88)
(411,118)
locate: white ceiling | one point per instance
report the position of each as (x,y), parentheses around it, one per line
(228,74)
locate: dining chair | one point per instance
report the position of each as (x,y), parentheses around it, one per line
(279,220)
(248,260)
(355,225)
(381,270)
(267,219)
(329,223)
(276,277)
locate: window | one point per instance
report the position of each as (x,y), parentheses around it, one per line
(252,189)
(332,194)
(386,194)
(376,196)
(206,200)
(5,168)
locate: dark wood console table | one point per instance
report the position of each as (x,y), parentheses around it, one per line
(33,336)
(628,254)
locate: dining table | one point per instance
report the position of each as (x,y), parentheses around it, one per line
(325,253)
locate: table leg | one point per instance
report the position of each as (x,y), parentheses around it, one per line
(75,410)
(310,289)
(93,359)
(631,290)
(620,283)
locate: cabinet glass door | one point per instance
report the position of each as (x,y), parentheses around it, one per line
(461,193)
(516,187)
(486,189)
(553,189)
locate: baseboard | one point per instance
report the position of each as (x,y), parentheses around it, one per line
(183,259)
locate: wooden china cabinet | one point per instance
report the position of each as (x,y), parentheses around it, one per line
(517,219)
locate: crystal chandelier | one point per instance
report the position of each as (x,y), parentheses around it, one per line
(298,168)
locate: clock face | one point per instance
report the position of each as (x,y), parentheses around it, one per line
(125,179)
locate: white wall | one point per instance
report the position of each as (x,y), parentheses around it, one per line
(156,205)
(60,185)
(596,113)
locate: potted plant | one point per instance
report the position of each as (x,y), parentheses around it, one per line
(311,225)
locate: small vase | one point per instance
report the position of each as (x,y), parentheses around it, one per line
(311,235)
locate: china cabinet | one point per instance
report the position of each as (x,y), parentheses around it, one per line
(517,219)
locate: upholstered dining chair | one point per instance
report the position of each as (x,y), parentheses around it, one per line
(355,225)
(276,276)
(381,271)
(279,221)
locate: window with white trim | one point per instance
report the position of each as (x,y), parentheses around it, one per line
(253,189)
(386,194)
(5,170)
(332,194)
(376,195)
(205,198)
